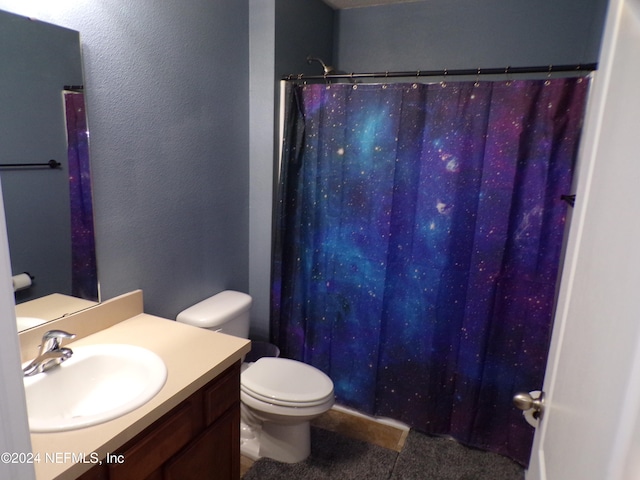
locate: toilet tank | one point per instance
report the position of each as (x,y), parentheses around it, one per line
(227,312)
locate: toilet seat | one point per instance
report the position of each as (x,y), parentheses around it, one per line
(285,382)
(286,414)
(284,403)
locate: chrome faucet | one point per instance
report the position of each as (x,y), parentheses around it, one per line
(50,354)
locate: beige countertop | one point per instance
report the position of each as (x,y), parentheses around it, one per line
(193,357)
(51,307)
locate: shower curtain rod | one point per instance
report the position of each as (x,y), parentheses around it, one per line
(549,69)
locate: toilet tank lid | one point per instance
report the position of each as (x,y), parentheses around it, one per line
(217,310)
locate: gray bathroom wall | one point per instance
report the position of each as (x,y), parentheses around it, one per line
(167,99)
(440,34)
(282,34)
(303,28)
(37,60)
(261,145)
(168,102)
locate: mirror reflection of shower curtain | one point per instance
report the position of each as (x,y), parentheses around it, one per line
(84,275)
(418,236)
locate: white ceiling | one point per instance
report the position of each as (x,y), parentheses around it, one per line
(340,4)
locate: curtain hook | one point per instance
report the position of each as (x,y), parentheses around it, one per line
(477,84)
(443,83)
(506,72)
(548,81)
(578,69)
(386,76)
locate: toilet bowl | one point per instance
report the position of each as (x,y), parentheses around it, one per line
(279,396)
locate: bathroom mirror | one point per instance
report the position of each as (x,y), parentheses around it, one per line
(44,168)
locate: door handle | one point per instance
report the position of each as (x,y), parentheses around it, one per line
(531,403)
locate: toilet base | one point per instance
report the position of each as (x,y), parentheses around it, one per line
(249,445)
(287,443)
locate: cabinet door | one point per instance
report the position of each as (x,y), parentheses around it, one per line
(213,455)
(147,452)
(97,472)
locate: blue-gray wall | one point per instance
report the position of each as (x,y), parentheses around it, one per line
(261,144)
(282,34)
(167,90)
(38,59)
(183,168)
(303,28)
(167,100)
(439,34)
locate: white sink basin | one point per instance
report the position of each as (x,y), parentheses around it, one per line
(28,322)
(98,383)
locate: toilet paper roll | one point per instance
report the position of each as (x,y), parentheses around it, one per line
(21,281)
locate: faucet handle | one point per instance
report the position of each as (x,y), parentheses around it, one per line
(51,340)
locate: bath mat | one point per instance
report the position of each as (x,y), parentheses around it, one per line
(333,456)
(435,458)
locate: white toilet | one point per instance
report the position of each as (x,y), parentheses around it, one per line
(279,396)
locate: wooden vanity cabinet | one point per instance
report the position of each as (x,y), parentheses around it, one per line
(199,439)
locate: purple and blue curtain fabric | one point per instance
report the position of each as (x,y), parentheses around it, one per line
(418,238)
(84,275)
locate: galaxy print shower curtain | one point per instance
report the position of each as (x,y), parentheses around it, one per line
(84,276)
(418,238)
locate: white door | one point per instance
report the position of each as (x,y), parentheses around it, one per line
(590,429)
